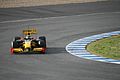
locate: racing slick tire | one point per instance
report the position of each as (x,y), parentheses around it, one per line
(43,41)
(15,44)
(17,38)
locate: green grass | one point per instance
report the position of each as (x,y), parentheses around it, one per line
(107,47)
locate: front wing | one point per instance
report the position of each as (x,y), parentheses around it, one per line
(20,50)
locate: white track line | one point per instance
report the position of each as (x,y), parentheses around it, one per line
(34,19)
(78,48)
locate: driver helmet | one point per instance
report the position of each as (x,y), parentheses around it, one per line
(28,37)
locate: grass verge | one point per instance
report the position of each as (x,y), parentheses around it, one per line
(107,47)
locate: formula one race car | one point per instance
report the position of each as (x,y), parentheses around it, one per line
(29,43)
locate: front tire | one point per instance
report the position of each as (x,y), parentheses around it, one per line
(15,44)
(17,38)
(43,41)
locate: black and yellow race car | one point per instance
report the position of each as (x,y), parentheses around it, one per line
(28,43)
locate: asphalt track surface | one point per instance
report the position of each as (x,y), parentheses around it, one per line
(57,64)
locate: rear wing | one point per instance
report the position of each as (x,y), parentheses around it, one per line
(29,31)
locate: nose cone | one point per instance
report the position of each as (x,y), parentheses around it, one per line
(27,44)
